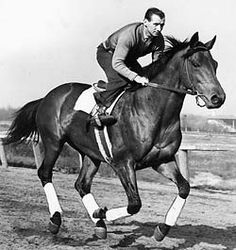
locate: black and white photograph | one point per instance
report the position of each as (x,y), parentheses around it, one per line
(117,125)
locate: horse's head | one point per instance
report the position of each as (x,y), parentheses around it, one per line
(200,70)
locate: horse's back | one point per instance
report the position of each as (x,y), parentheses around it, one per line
(65,92)
(59,101)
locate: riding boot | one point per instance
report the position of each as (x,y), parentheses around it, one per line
(101,118)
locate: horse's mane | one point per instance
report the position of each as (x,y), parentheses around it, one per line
(174,46)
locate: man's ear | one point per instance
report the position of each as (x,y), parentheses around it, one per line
(145,21)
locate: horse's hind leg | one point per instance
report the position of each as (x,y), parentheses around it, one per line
(51,151)
(172,172)
(83,186)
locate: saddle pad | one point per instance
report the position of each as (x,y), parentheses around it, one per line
(86,101)
(102,137)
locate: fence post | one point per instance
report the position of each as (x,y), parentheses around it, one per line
(3,155)
(37,154)
(183,163)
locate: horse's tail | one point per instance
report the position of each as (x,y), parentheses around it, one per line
(24,124)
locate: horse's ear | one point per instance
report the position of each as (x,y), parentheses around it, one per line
(210,44)
(194,40)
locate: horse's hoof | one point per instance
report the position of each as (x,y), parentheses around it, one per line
(101,230)
(55,223)
(161,231)
(53,228)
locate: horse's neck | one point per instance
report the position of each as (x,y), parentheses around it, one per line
(170,76)
(158,110)
(167,99)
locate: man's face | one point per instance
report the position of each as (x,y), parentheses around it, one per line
(155,25)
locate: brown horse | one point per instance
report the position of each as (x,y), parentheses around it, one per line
(147,133)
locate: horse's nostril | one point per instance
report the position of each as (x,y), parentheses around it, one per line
(215,99)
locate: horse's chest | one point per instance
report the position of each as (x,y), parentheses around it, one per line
(162,151)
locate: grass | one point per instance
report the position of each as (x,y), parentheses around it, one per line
(220,163)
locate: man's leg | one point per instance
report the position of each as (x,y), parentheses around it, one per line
(114,87)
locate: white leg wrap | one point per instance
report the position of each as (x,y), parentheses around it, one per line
(116,213)
(52,199)
(174,211)
(90,205)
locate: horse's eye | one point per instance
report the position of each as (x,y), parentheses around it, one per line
(195,63)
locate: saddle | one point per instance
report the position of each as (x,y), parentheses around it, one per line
(105,99)
(100,86)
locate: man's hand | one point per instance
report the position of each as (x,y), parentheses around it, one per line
(141,80)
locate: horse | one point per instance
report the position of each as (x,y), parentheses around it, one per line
(147,134)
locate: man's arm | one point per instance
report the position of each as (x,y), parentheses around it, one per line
(118,60)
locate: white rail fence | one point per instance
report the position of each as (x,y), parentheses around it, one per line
(3,157)
(36,150)
(190,142)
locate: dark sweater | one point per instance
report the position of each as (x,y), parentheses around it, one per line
(128,44)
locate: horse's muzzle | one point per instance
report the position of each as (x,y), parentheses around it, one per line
(216,100)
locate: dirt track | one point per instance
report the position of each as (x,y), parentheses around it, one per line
(207,222)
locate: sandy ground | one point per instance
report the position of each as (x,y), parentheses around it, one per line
(208,220)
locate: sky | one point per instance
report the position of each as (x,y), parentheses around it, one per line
(45,43)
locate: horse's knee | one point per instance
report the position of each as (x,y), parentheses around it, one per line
(184,189)
(134,207)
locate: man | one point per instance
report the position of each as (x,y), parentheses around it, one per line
(118,58)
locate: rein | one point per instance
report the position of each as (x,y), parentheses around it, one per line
(180,91)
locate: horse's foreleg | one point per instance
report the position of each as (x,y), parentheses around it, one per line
(83,186)
(127,175)
(45,175)
(172,172)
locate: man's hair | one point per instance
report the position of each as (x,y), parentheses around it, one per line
(153,11)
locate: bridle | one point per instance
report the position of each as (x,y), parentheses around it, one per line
(190,89)
(196,93)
